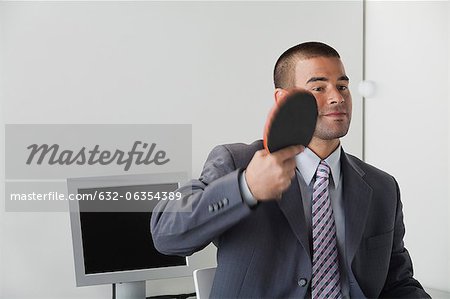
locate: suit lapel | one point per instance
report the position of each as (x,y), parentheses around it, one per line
(357,197)
(292,207)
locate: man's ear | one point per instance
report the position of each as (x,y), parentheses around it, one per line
(279,94)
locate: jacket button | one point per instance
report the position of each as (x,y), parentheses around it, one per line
(225,201)
(211,208)
(302,282)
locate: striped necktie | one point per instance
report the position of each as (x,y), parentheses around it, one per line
(325,277)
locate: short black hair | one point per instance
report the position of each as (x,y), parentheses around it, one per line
(284,71)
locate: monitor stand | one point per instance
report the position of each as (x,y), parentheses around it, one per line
(130,290)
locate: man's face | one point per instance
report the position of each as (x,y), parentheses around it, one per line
(325,78)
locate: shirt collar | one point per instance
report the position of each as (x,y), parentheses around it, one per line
(307,163)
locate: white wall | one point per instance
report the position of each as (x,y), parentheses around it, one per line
(146,62)
(407,122)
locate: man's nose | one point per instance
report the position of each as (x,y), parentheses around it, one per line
(335,97)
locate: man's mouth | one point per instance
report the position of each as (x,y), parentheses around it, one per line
(335,114)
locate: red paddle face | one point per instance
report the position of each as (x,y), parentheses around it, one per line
(291,121)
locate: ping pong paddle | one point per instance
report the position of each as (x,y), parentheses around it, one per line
(291,121)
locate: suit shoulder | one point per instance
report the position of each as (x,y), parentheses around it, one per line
(226,158)
(368,169)
(236,148)
(242,153)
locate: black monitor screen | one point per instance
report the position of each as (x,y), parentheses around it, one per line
(120,241)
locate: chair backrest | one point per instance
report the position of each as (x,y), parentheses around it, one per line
(203,280)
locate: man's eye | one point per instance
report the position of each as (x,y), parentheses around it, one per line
(343,87)
(317,88)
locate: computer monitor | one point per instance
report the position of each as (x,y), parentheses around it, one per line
(110,222)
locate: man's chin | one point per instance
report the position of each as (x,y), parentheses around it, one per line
(330,135)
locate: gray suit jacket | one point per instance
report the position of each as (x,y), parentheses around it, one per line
(264,252)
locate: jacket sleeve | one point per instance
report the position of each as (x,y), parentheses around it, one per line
(207,208)
(400,282)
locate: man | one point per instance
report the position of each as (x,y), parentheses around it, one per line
(313,222)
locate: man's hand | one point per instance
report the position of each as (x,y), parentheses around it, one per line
(268,175)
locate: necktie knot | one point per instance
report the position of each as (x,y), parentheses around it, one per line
(323,170)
